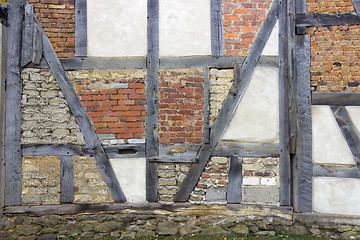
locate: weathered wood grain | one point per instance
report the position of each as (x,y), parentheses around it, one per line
(217,40)
(235,94)
(125,151)
(73,101)
(339,171)
(336,98)
(348,130)
(173,159)
(152,98)
(356,4)
(302,171)
(206,92)
(66,179)
(235,181)
(13,119)
(2,114)
(27,36)
(54,150)
(327,19)
(81,28)
(37,45)
(228,149)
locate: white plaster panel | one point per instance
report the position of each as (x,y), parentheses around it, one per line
(256,118)
(184,27)
(354,112)
(131,174)
(336,195)
(328,143)
(117,28)
(272,45)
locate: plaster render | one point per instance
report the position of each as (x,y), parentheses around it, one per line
(256,118)
(185,28)
(336,195)
(117,28)
(272,45)
(131,174)
(329,145)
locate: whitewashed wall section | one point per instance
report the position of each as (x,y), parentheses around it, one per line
(131,174)
(334,195)
(119,28)
(256,118)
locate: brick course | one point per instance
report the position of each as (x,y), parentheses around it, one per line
(181,106)
(329,6)
(57,17)
(242,21)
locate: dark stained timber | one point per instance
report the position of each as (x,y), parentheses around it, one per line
(73,101)
(302,176)
(340,171)
(216,28)
(27,33)
(327,19)
(206,127)
(66,179)
(81,28)
(227,110)
(356,4)
(152,98)
(13,119)
(37,45)
(336,98)
(348,130)
(235,180)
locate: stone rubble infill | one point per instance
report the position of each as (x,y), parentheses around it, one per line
(152,221)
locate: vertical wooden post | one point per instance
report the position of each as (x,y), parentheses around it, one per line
(206,127)
(2,114)
(13,159)
(81,28)
(235,180)
(66,179)
(152,98)
(216,28)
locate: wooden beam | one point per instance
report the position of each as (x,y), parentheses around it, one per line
(327,19)
(80,28)
(338,171)
(348,130)
(54,150)
(356,4)
(285,121)
(217,40)
(336,98)
(229,149)
(173,159)
(206,92)
(227,110)
(152,98)
(66,179)
(2,114)
(235,181)
(37,45)
(73,101)
(13,118)
(27,33)
(125,151)
(302,171)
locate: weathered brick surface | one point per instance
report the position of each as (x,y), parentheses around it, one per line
(46,116)
(181,106)
(242,21)
(57,17)
(41,180)
(89,184)
(335,56)
(115,102)
(329,6)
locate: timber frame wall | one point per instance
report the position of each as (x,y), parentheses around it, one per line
(295,150)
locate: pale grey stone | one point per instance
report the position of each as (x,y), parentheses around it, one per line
(215,194)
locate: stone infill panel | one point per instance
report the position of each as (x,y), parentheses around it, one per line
(242,22)
(181,106)
(335,55)
(58,20)
(115,103)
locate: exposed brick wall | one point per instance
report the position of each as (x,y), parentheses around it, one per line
(181,106)
(335,53)
(242,21)
(57,17)
(114,101)
(329,6)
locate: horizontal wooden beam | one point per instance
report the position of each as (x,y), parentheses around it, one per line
(327,19)
(103,63)
(336,98)
(229,149)
(339,171)
(54,150)
(170,159)
(125,151)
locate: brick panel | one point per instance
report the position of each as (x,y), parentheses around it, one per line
(329,6)
(181,106)
(242,21)
(335,53)
(57,17)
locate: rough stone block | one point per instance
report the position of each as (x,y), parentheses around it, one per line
(215,194)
